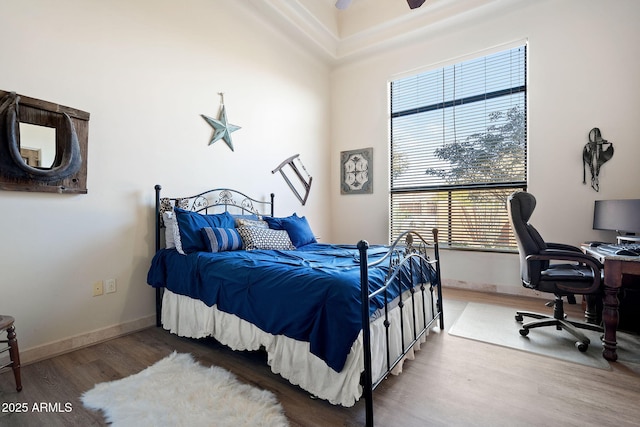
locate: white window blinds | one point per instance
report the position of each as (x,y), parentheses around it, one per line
(458,149)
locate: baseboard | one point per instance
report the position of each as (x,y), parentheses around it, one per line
(67,345)
(492,288)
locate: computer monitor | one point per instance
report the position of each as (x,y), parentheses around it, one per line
(622,216)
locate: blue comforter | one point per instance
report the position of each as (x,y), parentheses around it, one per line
(309,294)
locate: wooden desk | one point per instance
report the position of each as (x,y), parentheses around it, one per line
(614,268)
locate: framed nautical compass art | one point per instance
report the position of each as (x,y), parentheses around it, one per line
(356,169)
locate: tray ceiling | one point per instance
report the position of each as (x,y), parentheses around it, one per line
(367,25)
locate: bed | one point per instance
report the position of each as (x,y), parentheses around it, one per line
(226,267)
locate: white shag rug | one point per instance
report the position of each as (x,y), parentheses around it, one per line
(178,391)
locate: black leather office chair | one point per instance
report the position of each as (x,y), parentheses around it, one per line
(578,273)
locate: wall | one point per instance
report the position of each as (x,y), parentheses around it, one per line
(583,67)
(145,70)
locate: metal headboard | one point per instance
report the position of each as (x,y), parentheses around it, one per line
(217,200)
(213,201)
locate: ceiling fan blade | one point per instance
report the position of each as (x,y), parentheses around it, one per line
(343,4)
(414,4)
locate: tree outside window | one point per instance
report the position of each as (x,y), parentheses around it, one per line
(458,149)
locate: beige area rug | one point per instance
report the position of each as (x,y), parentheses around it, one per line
(177,391)
(497,325)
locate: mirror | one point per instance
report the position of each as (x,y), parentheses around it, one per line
(37,145)
(43,145)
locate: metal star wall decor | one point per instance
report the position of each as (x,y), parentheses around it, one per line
(222,129)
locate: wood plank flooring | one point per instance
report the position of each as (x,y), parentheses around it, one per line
(452,382)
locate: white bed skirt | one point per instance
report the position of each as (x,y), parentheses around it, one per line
(292,359)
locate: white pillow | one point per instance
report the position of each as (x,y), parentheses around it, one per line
(171,232)
(169,226)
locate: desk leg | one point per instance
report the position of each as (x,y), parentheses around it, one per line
(612,284)
(592,313)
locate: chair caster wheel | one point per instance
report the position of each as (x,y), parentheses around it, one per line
(524,332)
(582,346)
(519,318)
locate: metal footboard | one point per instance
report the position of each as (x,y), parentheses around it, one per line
(408,263)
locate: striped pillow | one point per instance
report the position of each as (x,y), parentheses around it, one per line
(221,239)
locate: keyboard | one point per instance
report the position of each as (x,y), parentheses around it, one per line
(620,249)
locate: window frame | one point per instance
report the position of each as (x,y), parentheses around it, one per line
(506,186)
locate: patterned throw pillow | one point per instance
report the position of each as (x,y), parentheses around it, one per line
(221,239)
(244,222)
(265,238)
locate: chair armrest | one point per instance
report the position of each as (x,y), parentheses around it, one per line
(560,255)
(563,247)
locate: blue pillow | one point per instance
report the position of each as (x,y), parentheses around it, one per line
(190,223)
(274,223)
(297,227)
(221,239)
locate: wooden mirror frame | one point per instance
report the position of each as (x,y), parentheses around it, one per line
(70,123)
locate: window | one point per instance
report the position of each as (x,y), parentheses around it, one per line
(458,149)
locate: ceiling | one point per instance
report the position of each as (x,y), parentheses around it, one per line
(367,25)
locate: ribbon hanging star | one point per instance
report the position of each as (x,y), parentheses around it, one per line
(222,129)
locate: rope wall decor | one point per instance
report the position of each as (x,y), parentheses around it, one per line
(594,154)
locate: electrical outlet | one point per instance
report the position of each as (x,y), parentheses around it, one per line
(110,286)
(97,289)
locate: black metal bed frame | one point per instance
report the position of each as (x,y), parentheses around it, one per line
(217,199)
(411,255)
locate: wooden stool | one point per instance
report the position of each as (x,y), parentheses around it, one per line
(6,323)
